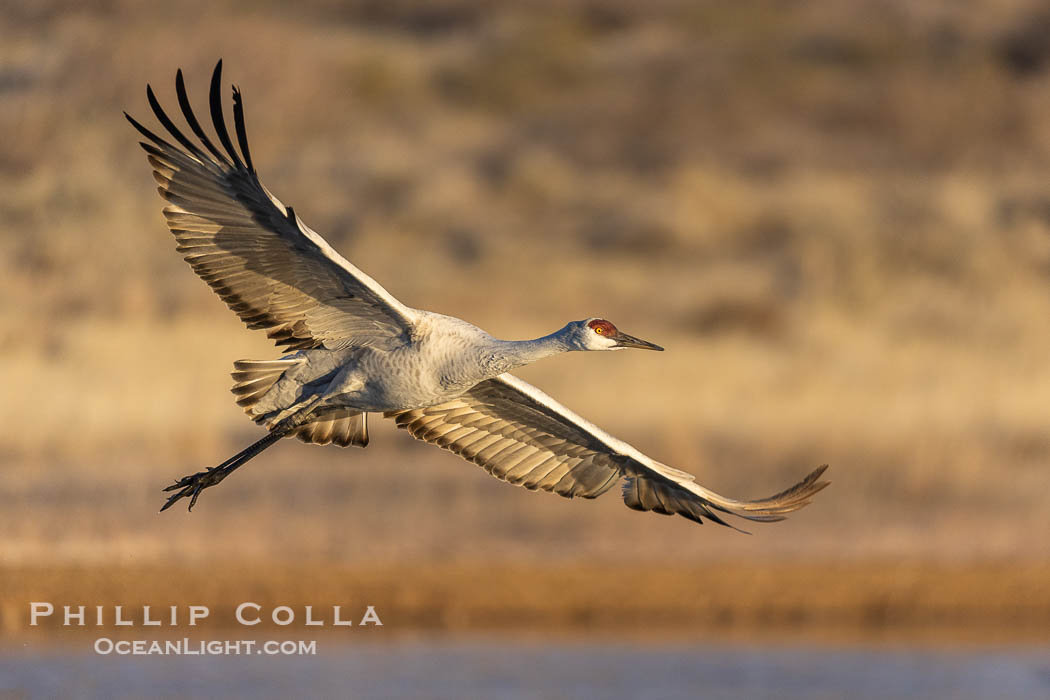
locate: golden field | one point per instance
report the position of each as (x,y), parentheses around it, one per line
(883,601)
(836,218)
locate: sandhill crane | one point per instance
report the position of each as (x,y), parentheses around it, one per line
(355,349)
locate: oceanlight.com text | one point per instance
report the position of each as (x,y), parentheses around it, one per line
(187,647)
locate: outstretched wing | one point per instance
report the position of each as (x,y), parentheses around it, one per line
(521,435)
(260,258)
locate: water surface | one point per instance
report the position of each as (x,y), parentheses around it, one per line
(499,668)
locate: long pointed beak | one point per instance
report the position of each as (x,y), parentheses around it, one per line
(629,341)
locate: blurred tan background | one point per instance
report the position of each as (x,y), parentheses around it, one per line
(834,214)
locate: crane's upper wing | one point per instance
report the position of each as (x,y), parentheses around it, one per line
(521,435)
(268,266)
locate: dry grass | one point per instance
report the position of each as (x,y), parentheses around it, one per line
(836,219)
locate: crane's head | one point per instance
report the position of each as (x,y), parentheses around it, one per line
(599,334)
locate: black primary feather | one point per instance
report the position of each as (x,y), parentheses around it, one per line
(238,124)
(148,134)
(216,115)
(191,119)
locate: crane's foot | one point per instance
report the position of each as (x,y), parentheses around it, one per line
(192,485)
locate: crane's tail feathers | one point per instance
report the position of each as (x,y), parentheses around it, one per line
(344,427)
(253,378)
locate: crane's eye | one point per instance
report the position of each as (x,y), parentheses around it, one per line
(599,330)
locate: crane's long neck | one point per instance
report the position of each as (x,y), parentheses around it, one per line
(516,353)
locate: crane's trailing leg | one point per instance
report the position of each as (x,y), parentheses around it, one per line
(192,485)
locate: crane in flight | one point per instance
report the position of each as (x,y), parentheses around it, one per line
(354,349)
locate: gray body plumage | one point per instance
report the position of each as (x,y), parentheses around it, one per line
(354,349)
(444,357)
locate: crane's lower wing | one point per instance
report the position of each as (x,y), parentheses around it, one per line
(268,266)
(521,435)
